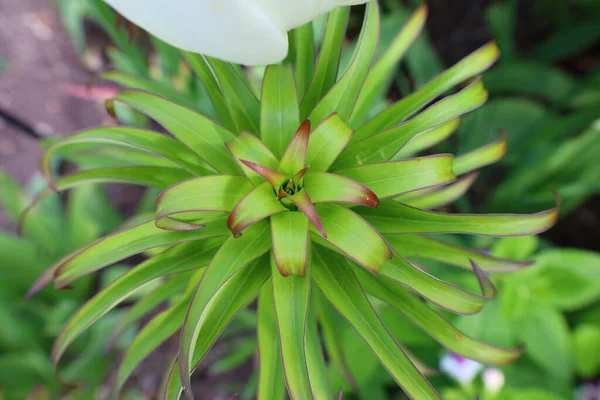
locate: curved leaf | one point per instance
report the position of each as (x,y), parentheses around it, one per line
(200,134)
(427,139)
(354,236)
(480,157)
(256,206)
(291,296)
(392,217)
(440,293)
(294,157)
(181,258)
(344,93)
(315,361)
(326,70)
(392,178)
(289,231)
(231,257)
(433,323)
(385,66)
(339,284)
(326,143)
(208,194)
(147,141)
(328,188)
(279,113)
(470,66)
(248,147)
(435,198)
(383,146)
(119,246)
(410,246)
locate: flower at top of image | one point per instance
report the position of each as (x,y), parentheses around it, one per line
(240,31)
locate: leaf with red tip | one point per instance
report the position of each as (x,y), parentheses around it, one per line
(353,236)
(328,188)
(256,206)
(388,179)
(297,178)
(433,323)
(294,158)
(392,217)
(419,246)
(327,142)
(195,197)
(305,204)
(248,147)
(440,293)
(275,178)
(289,231)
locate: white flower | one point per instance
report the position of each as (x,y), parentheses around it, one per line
(493,380)
(250,32)
(459,368)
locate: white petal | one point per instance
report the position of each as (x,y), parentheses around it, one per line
(233,30)
(290,14)
(250,32)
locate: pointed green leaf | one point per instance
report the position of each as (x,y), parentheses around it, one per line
(159,329)
(354,236)
(279,113)
(480,157)
(119,246)
(271,384)
(315,361)
(305,205)
(289,231)
(326,143)
(231,257)
(344,93)
(392,217)
(248,147)
(411,246)
(211,195)
(147,141)
(244,107)
(200,66)
(470,66)
(168,290)
(304,60)
(181,258)
(433,323)
(428,139)
(294,158)
(435,198)
(329,188)
(440,293)
(200,134)
(326,70)
(383,146)
(339,284)
(256,206)
(152,86)
(291,295)
(386,65)
(235,294)
(392,178)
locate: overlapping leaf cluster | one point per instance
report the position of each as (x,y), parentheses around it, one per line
(302,198)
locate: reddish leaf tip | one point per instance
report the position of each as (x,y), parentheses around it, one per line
(275,178)
(300,174)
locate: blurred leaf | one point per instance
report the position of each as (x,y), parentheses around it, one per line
(517,248)
(73,15)
(501,18)
(569,42)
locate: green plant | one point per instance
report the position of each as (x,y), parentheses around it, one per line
(242,216)
(29,326)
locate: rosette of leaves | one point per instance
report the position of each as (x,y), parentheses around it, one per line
(298,197)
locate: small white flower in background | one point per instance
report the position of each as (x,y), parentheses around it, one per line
(460,368)
(493,380)
(250,32)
